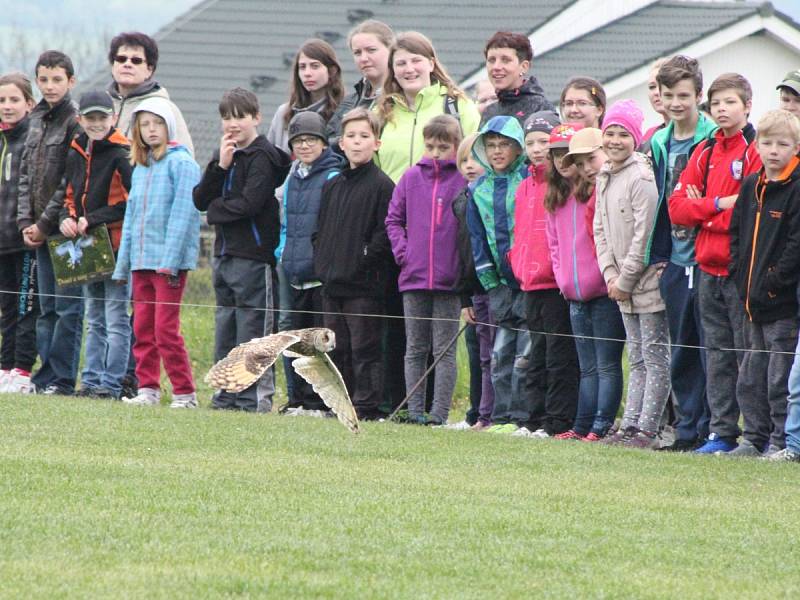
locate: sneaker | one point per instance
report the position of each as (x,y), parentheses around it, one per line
(746,449)
(643,441)
(591,437)
(503,428)
(460,426)
(184,401)
(145,397)
(771,450)
(86,392)
(716,445)
(55,390)
(680,446)
(569,435)
(130,387)
(620,436)
(480,426)
(522,432)
(19,383)
(4,376)
(539,434)
(785,455)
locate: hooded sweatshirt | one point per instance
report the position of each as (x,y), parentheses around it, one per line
(422,227)
(716,172)
(520,103)
(12,144)
(402,144)
(161,231)
(98,177)
(490,214)
(125,107)
(530,255)
(240,201)
(765,244)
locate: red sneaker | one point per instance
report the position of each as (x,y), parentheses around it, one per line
(569,435)
(591,437)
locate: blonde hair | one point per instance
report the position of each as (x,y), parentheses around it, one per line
(413,42)
(776,122)
(379,29)
(23,84)
(362,114)
(465,149)
(140,150)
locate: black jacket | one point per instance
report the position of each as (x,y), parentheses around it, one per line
(50,134)
(240,201)
(351,248)
(765,245)
(468,282)
(101,196)
(520,103)
(12,144)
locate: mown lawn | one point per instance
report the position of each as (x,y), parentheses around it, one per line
(100,499)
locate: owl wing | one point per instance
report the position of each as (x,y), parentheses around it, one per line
(247,362)
(325,379)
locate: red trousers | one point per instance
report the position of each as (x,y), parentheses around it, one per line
(156,326)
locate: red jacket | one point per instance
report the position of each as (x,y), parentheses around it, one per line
(530,254)
(722,169)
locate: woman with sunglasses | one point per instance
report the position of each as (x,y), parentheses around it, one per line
(133,57)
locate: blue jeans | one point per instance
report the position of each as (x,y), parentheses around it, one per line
(510,356)
(108,336)
(58,329)
(792,427)
(687,365)
(600,361)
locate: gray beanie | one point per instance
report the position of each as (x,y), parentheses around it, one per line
(543,121)
(307,123)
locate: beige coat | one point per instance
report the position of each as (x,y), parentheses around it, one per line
(624,215)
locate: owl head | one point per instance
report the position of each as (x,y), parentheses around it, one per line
(324,340)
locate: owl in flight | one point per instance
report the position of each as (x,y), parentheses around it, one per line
(247,362)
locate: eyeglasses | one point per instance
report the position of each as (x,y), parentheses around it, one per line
(122,59)
(579,104)
(492,146)
(309,141)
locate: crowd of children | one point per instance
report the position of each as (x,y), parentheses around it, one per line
(559,235)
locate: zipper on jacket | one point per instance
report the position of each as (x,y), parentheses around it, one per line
(759,206)
(86,178)
(411,143)
(435,210)
(575,251)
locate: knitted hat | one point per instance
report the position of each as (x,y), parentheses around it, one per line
(307,122)
(584,141)
(562,134)
(626,114)
(542,121)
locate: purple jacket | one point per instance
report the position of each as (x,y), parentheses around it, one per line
(422,228)
(572,252)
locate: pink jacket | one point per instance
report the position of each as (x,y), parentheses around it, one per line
(530,255)
(572,253)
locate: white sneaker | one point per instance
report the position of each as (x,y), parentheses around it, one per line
(145,397)
(17,383)
(184,401)
(460,426)
(294,411)
(522,432)
(4,376)
(539,434)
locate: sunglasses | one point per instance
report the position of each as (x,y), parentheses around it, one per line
(122,59)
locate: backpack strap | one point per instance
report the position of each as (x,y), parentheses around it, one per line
(451,108)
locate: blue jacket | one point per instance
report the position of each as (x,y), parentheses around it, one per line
(301,201)
(659,244)
(490,212)
(161,231)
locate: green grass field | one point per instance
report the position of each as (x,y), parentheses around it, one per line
(100,499)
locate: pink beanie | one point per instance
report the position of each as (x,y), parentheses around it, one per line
(627,114)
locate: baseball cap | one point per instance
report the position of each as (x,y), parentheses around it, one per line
(584,141)
(562,134)
(96,101)
(792,81)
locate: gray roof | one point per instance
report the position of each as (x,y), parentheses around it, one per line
(221,44)
(626,44)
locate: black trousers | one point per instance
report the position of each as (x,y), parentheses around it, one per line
(19,309)
(358,350)
(555,373)
(306,300)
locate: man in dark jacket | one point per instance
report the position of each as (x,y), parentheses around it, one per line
(508,59)
(238,194)
(53,126)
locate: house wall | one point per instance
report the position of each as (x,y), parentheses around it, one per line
(760,58)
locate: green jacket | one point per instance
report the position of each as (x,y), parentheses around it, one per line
(402,145)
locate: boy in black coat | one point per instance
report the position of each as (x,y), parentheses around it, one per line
(351,258)
(237,192)
(765,264)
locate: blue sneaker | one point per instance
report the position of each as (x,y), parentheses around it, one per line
(715,444)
